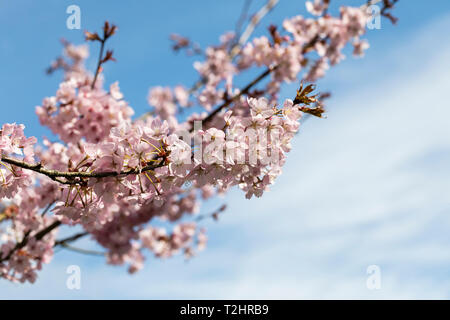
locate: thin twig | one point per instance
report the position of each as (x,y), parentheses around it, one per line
(47,208)
(83,251)
(99,63)
(71,238)
(242,17)
(38,236)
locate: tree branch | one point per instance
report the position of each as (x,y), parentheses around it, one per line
(71,175)
(245,90)
(39,236)
(83,251)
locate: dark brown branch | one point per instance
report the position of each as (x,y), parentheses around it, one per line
(47,208)
(99,63)
(53,174)
(71,175)
(242,18)
(39,236)
(71,238)
(388,5)
(83,251)
(108,31)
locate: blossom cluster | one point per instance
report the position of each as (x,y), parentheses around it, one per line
(165,101)
(14,142)
(80,111)
(24,219)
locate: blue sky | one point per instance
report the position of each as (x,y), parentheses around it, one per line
(369,185)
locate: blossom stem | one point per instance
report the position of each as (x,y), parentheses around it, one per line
(99,63)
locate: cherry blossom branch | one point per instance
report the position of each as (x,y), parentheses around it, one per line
(99,63)
(108,31)
(387,5)
(255,81)
(41,234)
(71,175)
